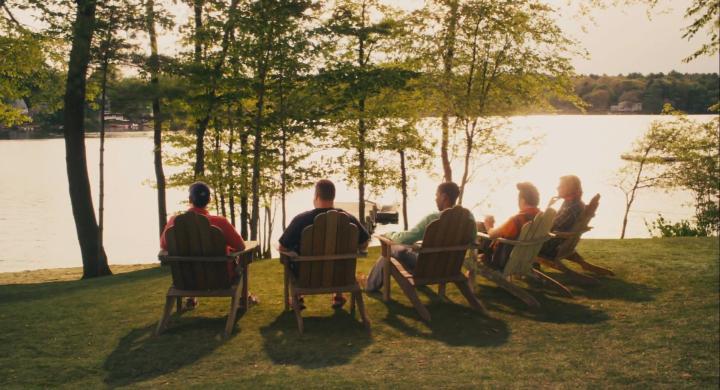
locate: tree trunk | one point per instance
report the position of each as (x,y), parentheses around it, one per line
(198,8)
(93,256)
(448,59)
(101,167)
(361,166)
(469,135)
(257,149)
(283,178)
(625,219)
(154,65)
(403,189)
(361,131)
(244,217)
(220,182)
(231,177)
(199,168)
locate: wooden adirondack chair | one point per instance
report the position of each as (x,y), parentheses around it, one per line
(522,259)
(440,259)
(566,250)
(199,264)
(326,263)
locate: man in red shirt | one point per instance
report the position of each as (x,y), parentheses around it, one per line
(199,198)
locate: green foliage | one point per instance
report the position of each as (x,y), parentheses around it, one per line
(686,154)
(683,228)
(691,93)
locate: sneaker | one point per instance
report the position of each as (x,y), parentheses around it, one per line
(191,303)
(338,301)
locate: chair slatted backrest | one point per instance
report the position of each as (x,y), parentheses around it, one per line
(567,247)
(331,233)
(193,236)
(453,228)
(522,257)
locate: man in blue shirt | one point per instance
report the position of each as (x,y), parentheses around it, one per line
(323,201)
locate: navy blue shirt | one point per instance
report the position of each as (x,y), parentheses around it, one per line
(290,238)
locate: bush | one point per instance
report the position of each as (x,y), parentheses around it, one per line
(683,228)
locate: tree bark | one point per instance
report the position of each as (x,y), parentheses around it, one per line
(257,148)
(154,65)
(101,165)
(403,189)
(202,124)
(93,256)
(448,60)
(231,177)
(361,130)
(244,217)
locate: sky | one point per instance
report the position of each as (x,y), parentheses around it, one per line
(619,40)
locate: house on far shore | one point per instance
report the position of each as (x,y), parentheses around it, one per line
(117,122)
(626,107)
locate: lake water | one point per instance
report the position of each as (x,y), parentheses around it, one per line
(37,229)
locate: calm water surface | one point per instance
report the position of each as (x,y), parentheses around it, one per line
(37,229)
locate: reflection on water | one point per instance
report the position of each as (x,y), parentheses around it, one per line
(37,229)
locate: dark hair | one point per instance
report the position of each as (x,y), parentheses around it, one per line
(529,192)
(451,190)
(325,189)
(199,194)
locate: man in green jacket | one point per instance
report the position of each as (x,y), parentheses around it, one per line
(445,198)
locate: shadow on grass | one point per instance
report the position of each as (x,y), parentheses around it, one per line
(615,289)
(140,356)
(551,310)
(327,341)
(452,323)
(12,293)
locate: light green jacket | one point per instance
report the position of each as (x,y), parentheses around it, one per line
(418,231)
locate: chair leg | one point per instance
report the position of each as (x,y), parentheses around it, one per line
(361,308)
(286,288)
(411,293)
(441,290)
(245,281)
(298,315)
(178,304)
(547,280)
(386,279)
(165,316)
(472,280)
(474,302)
(596,269)
(352,304)
(508,286)
(234,306)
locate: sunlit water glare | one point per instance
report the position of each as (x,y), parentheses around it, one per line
(37,229)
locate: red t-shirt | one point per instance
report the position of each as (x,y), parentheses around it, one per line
(234,241)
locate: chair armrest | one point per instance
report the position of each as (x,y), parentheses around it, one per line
(291,254)
(565,235)
(523,243)
(484,236)
(385,240)
(250,246)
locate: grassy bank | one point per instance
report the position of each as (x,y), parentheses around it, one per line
(656,322)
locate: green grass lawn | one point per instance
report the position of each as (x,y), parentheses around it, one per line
(655,323)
